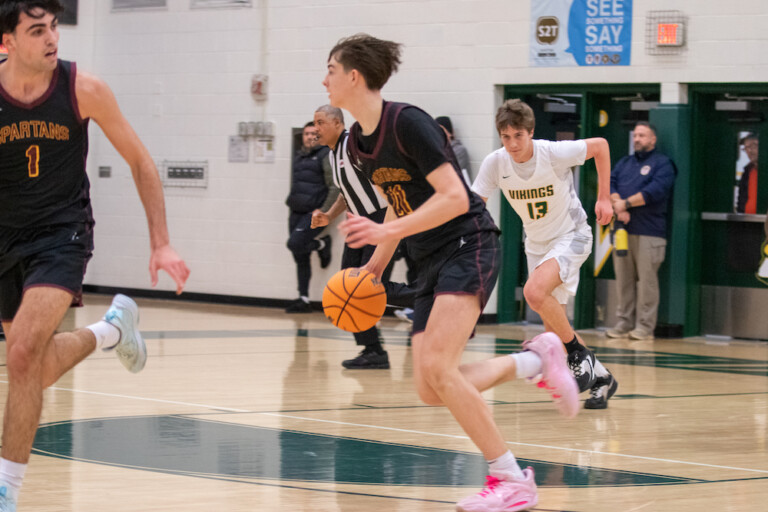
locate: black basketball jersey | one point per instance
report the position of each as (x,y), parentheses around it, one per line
(384,159)
(43,147)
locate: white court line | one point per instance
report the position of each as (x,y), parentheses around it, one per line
(393,429)
(131,397)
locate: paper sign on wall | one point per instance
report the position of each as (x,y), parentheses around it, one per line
(264,151)
(238,149)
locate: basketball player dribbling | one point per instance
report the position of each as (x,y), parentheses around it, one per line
(46,223)
(403,151)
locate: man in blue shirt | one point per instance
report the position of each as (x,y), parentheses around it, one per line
(641,184)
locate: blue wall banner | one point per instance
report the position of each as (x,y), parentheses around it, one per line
(581,33)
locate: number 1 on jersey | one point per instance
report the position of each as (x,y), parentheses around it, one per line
(33,162)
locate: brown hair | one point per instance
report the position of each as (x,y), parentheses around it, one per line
(375,59)
(647,125)
(515,113)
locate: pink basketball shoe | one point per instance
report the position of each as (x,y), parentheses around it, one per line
(503,495)
(555,375)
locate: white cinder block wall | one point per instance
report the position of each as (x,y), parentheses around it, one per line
(182,77)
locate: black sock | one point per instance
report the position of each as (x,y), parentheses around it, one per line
(573,345)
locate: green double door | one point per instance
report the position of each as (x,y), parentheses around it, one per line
(729,291)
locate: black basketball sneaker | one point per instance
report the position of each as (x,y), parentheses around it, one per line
(368,360)
(601,392)
(582,365)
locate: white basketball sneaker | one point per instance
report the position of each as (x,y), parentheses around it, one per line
(131,350)
(7,501)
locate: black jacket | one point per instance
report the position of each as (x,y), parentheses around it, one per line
(308,188)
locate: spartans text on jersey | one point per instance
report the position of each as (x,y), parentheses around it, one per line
(33,130)
(388,174)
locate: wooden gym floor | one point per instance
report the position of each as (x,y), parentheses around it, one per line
(243,409)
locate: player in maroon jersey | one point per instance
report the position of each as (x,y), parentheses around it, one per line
(451,235)
(46,224)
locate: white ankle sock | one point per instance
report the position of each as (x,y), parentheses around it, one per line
(506,465)
(322,244)
(305,299)
(107,335)
(12,473)
(528,364)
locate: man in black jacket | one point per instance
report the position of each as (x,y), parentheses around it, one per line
(311,188)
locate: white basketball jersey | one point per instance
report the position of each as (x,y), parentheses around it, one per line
(545,199)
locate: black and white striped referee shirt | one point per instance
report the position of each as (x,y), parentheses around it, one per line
(361,195)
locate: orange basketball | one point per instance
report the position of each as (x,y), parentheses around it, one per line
(354,300)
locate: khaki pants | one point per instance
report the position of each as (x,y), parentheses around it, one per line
(637,281)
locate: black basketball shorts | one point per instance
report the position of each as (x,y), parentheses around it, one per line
(469,265)
(54,256)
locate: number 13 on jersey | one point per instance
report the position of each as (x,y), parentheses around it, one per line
(537,210)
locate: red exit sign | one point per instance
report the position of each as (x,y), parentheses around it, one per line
(669,34)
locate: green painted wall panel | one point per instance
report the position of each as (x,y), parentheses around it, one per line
(679,280)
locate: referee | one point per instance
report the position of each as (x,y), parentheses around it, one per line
(359,196)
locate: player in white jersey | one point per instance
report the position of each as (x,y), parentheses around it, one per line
(536,179)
